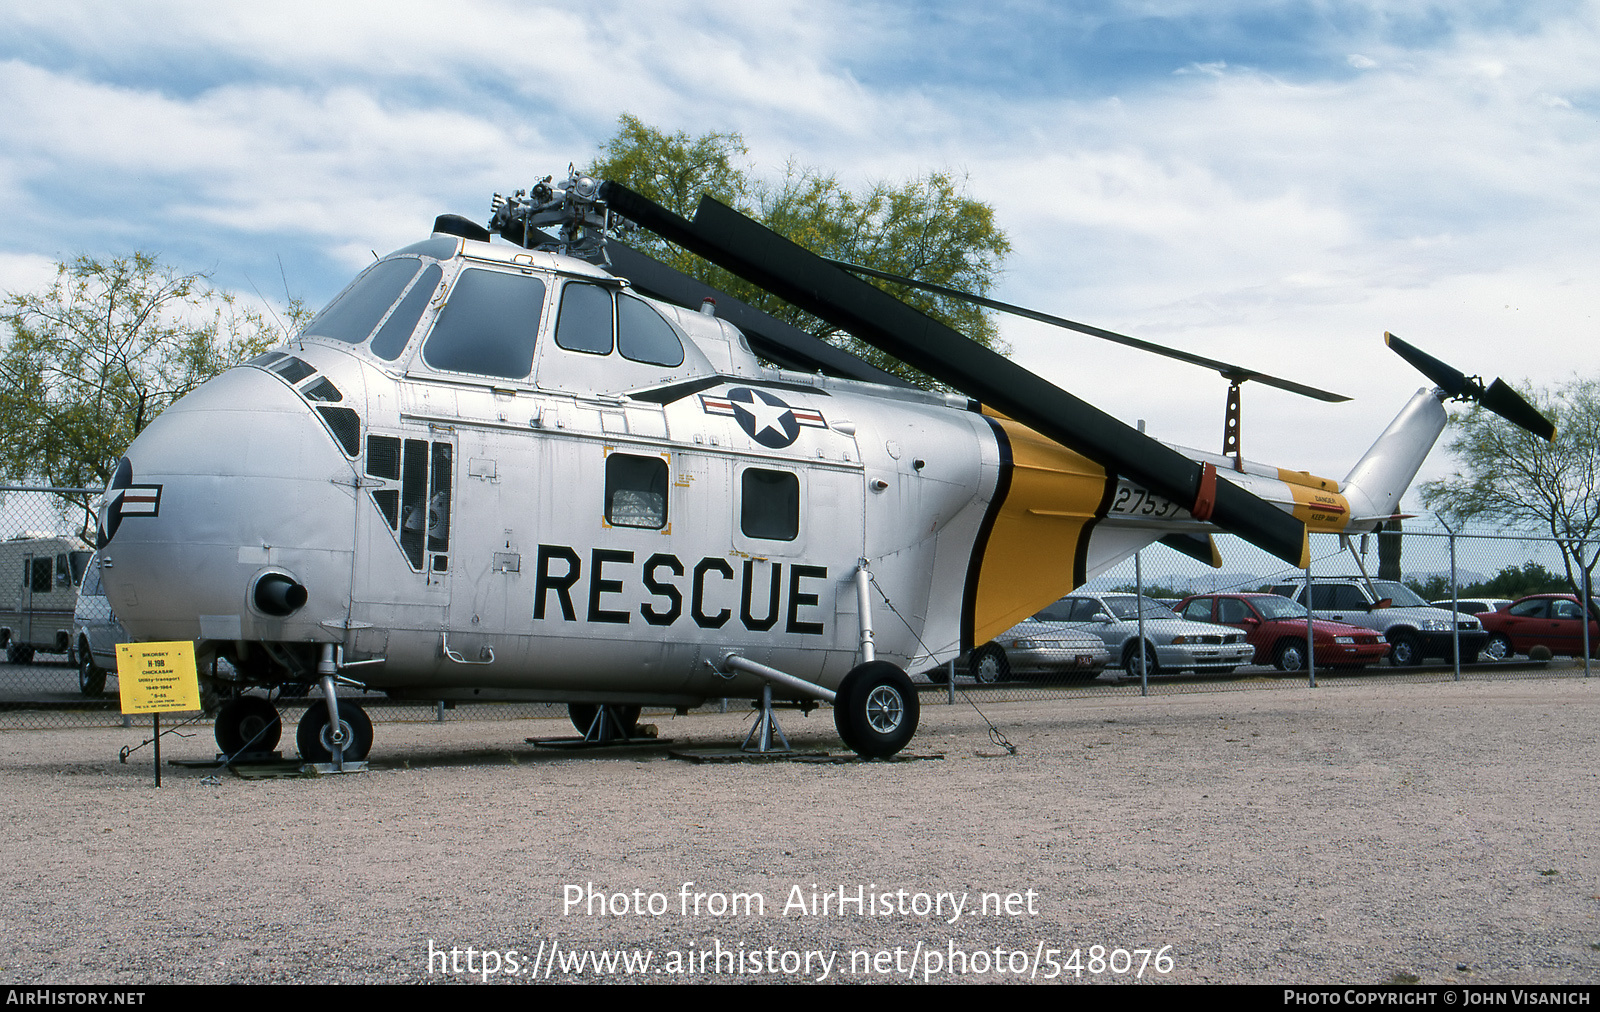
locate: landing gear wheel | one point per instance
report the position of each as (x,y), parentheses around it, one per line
(1291,656)
(989,665)
(1497,649)
(248,723)
(91,677)
(1405,651)
(315,739)
(876,710)
(582,716)
(1137,663)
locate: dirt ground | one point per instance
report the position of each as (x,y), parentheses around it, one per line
(1357,833)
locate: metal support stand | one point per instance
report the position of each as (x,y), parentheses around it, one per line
(605,729)
(765,727)
(767,719)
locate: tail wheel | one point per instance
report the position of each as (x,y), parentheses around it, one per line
(248,723)
(876,710)
(314,737)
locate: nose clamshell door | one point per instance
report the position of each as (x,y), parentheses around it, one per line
(238,482)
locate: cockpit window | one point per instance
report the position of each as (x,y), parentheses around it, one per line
(352,316)
(396,330)
(488,326)
(644,336)
(584,323)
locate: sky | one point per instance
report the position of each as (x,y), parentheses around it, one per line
(1273,184)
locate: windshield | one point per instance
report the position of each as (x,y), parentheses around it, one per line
(1272,608)
(1126,608)
(1399,593)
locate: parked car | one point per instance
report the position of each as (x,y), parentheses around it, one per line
(1474,605)
(1276,627)
(96,631)
(1170,643)
(1553,621)
(1034,647)
(1414,628)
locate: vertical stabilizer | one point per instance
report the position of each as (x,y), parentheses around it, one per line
(1380,478)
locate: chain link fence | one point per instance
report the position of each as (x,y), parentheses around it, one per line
(48,533)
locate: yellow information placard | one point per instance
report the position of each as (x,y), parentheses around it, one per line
(157,677)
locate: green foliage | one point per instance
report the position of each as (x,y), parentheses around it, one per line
(103,350)
(1511,582)
(926,228)
(1513,478)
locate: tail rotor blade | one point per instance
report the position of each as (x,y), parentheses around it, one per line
(1511,406)
(1499,397)
(1449,379)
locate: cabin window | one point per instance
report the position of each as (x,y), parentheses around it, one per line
(584,323)
(395,333)
(636,491)
(488,326)
(643,336)
(769,505)
(353,315)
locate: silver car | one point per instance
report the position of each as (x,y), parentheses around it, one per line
(1034,648)
(1170,643)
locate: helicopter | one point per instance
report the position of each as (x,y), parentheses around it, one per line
(545,467)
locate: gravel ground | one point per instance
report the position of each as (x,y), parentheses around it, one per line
(1356,833)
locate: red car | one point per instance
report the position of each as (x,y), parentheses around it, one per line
(1276,626)
(1540,620)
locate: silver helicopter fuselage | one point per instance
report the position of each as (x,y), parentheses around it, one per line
(488,473)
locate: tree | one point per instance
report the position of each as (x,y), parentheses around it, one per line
(926,228)
(1513,478)
(103,350)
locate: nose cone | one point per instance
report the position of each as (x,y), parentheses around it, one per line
(237,483)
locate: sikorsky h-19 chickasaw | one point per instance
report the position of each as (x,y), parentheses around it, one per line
(500,470)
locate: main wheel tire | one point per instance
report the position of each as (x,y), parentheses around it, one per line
(248,722)
(1135,661)
(582,716)
(315,742)
(1497,649)
(876,710)
(91,677)
(988,665)
(1291,656)
(1405,651)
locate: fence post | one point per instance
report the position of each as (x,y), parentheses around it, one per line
(1138,609)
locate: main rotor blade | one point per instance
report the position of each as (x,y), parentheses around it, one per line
(1232,373)
(750,250)
(1500,398)
(789,346)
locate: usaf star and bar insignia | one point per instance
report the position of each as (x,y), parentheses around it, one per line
(763,416)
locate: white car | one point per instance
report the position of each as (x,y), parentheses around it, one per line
(96,632)
(1170,643)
